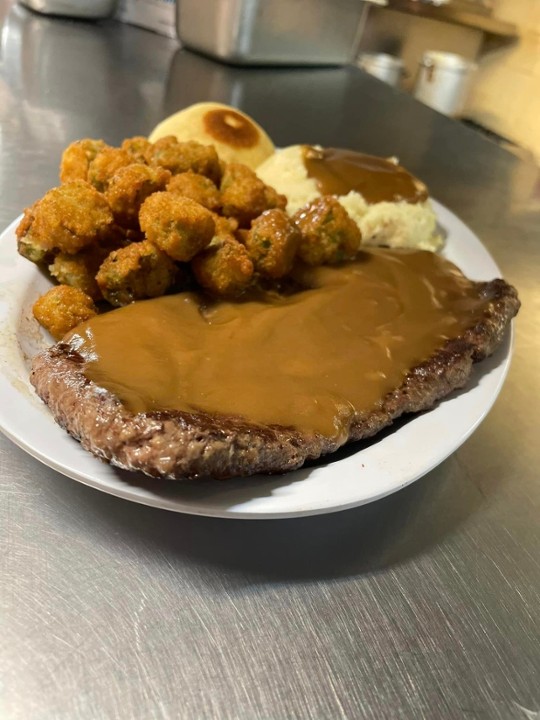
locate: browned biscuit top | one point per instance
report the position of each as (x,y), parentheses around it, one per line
(228,126)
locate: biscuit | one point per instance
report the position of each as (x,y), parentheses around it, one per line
(236,136)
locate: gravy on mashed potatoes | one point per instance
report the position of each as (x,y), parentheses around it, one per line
(390,206)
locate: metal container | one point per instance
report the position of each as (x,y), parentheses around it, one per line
(90,9)
(272,32)
(443,82)
(387,68)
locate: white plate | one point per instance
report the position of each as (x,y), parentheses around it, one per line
(356,475)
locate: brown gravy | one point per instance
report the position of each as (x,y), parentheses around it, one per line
(337,172)
(310,360)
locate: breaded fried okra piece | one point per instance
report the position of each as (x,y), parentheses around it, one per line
(62,308)
(79,271)
(77,157)
(329,235)
(197,187)
(105,165)
(274,199)
(179,157)
(140,270)
(27,245)
(244,196)
(67,218)
(179,226)
(225,225)
(272,243)
(119,236)
(130,187)
(224,269)
(136,147)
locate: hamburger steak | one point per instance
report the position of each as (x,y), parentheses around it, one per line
(182,445)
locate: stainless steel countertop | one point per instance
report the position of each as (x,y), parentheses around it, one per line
(422,605)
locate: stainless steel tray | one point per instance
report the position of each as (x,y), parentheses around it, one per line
(272,32)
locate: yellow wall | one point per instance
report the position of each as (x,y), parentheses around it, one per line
(506,92)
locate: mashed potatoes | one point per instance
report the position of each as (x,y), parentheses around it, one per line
(392,224)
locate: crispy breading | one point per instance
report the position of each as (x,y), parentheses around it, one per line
(77,157)
(67,219)
(224,269)
(179,226)
(130,187)
(329,235)
(272,243)
(198,188)
(62,308)
(140,270)
(179,157)
(105,165)
(244,196)
(79,271)
(136,147)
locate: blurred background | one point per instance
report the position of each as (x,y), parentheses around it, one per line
(502,39)
(475,60)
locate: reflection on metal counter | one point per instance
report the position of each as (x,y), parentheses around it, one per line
(90,9)
(291,91)
(156,15)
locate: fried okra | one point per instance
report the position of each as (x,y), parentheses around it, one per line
(77,157)
(225,225)
(179,226)
(137,148)
(244,196)
(329,235)
(79,271)
(67,219)
(197,187)
(130,187)
(224,269)
(105,165)
(27,245)
(272,242)
(179,157)
(140,270)
(62,308)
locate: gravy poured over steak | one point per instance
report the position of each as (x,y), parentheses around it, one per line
(180,389)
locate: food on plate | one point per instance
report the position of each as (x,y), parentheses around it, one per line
(261,386)
(196,187)
(80,270)
(105,165)
(135,272)
(244,196)
(327,233)
(63,308)
(137,147)
(67,219)
(235,135)
(390,206)
(272,243)
(262,328)
(181,227)
(130,187)
(77,157)
(179,157)
(225,269)
(123,227)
